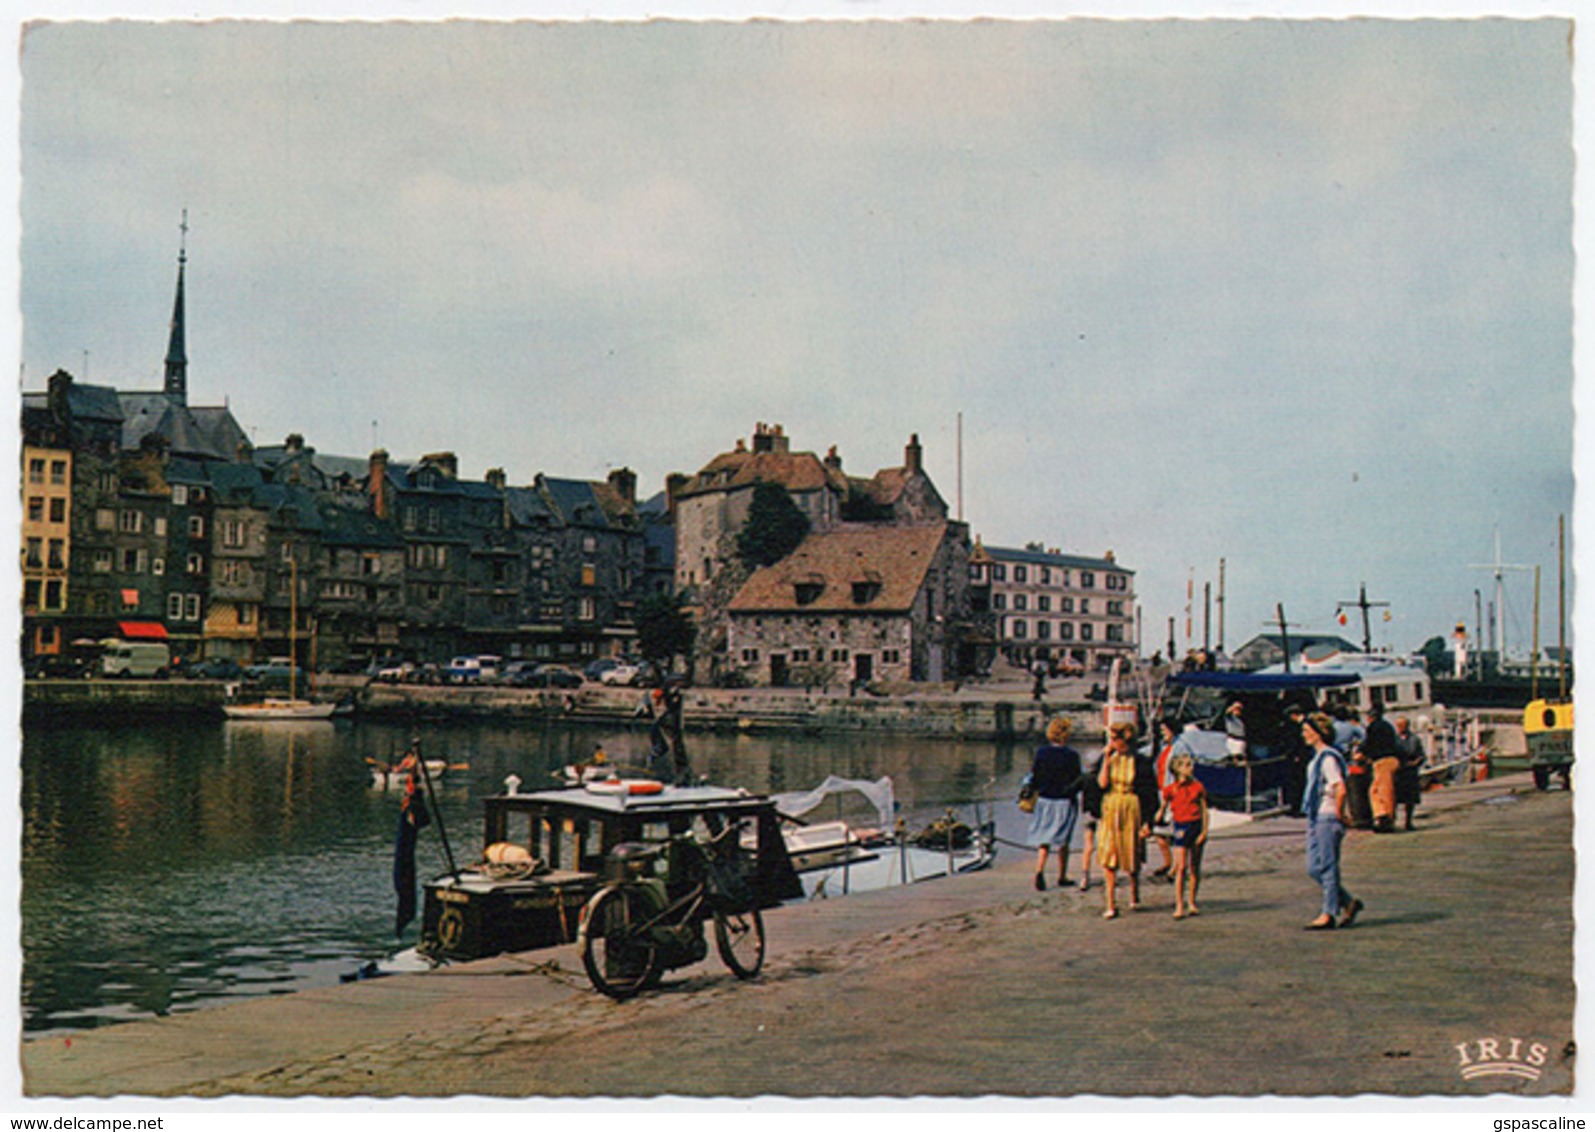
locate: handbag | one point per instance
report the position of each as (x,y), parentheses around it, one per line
(1027,796)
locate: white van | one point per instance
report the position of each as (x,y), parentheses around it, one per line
(481,669)
(140,660)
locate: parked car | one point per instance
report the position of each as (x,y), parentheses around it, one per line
(54,667)
(623,675)
(427,673)
(554,676)
(349,666)
(217,668)
(595,671)
(275,671)
(390,670)
(517,672)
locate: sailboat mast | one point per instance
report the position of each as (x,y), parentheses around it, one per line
(1534,657)
(293,620)
(1500,608)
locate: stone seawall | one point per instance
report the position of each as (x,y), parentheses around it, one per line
(951,716)
(118,698)
(967,714)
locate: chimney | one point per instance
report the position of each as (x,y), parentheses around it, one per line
(60,387)
(295,442)
(495,478)
(624,481)
(763,439)
(913,455)
(832,460)
(445,462)
(674,482)
(1108,556)
(377,482)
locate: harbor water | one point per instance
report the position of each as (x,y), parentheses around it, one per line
(167,867)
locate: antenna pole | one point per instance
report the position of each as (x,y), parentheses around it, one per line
(960,466)
(1220,605)
(1534,657)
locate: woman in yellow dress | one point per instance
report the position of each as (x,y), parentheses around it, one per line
(1122,830)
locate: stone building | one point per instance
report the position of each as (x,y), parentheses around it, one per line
(238,575)
(855,605)
(711,508)
(580,548)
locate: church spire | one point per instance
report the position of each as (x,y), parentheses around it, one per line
(176,351)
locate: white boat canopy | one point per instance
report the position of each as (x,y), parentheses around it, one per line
(879,793)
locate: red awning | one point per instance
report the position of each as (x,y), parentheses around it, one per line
(142,630)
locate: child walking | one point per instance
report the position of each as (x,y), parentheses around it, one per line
(1185,800)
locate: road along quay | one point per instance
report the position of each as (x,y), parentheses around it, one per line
(1457,980)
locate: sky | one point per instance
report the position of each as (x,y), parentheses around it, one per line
(1293,295)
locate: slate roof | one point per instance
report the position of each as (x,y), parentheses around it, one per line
(94,402)
(407,477)
(349,526)
(894,558)
(528,507)
(291,503)
(1047,558)
(578,502)
(201,431)
(85,402)
(273,456)
(235,484)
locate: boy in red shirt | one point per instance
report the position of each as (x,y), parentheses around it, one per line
(1185,800)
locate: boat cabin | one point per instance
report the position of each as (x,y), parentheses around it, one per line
(1396,683)
(543,858)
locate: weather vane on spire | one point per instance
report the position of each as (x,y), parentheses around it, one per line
(182,244)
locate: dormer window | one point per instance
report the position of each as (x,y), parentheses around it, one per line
(807,590)
(866,587)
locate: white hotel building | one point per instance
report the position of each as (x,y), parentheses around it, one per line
(1059,606)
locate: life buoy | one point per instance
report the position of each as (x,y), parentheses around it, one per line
(451,928)
(506,853)
(626,786)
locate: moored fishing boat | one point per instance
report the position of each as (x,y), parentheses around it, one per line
(544,852)
(1324,678)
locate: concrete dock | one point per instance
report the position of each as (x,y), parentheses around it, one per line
(1457,980)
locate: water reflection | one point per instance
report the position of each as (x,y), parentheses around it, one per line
(170,866)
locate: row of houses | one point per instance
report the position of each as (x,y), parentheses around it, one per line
(161,536)
(145,516)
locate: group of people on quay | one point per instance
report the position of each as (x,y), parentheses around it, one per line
(1343,774)
(1121,800)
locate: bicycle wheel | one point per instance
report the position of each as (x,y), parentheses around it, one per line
(739,937)
(620,957)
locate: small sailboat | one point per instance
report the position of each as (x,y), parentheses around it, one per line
(277,709)
(291,708)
